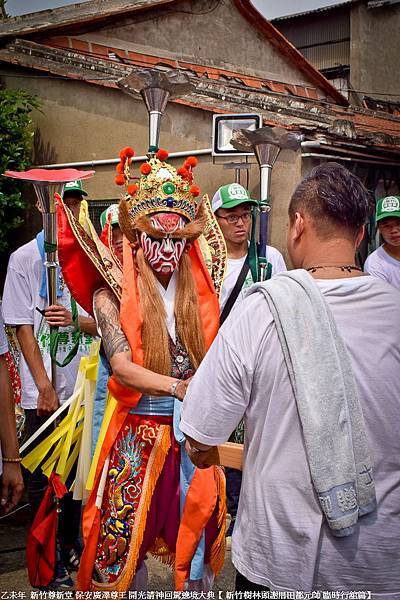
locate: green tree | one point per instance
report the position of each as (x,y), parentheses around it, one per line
(16,137)
(3,13)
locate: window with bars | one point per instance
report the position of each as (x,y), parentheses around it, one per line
(96,207)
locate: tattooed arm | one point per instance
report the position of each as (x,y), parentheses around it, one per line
(116,347)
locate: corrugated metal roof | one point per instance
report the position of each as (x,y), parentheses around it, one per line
(313,11)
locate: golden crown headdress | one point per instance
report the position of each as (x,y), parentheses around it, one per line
(161,187)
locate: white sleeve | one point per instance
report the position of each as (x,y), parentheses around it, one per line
(374,267)
(18,304)
(220,391)
(276,259)
(3,337)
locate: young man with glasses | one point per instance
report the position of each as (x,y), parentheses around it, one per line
(232,206)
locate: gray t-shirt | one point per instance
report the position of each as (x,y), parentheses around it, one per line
(280,539)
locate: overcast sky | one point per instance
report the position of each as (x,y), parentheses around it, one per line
(270,8)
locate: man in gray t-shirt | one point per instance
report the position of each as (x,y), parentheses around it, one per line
(232,206)
(281,539)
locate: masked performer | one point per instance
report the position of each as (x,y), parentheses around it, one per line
(156,323)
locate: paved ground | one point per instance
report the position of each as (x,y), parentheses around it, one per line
(13,575)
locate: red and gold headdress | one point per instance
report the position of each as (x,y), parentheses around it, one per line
(161,187)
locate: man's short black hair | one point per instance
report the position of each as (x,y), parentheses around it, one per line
(336,199)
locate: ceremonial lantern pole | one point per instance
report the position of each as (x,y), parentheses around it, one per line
(47,184)
(266,143)
(156,88)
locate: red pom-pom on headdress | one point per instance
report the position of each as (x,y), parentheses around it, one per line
(145,168)
(183,172)
(120,180)
(195,190)
(191,162)
(132,189)
(128,152)
(120,168)
(162,155)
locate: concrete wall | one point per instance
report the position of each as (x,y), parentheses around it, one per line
(205,32)
(375,51)
(81,122)
(286,175)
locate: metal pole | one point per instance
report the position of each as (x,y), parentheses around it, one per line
(115,161)
(51,264)
(265,184)
(154,129)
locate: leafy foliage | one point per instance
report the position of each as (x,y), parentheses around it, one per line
(16,136)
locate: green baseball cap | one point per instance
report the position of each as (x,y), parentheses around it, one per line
(388,207)
(111,210)
(74,186)
(231,195)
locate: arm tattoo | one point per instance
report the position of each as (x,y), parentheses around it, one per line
(106,309)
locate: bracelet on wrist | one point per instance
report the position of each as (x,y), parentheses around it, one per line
(173,388)
(6,459)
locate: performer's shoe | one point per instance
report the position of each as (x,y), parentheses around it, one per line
(72,556)
(62,580)
(71,560)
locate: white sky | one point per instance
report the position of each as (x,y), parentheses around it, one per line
(270,8)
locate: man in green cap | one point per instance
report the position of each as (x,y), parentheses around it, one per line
(111,233)
(25,307)
(73,196)
(232,206)
(385,261)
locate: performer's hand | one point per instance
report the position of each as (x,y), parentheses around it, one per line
(200,458)
(12,486)
(47,401)
(182,387)
(58,316)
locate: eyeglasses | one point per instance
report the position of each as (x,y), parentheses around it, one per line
(234,219)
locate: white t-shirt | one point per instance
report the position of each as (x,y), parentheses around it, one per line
(380,264)
(168,296)
(280,538)
(234,266)
(20,299)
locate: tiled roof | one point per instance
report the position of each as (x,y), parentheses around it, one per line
(216,90)
(279,41)
(74,14)
(96,12)
(108,52)
(390,106)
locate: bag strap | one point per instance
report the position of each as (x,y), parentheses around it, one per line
(235,292)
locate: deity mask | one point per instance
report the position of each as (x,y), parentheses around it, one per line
(164,254)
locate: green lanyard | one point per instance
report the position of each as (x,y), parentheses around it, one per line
(254,260)
(76,335)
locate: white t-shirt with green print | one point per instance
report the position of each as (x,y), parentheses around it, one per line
(234,266)
(20,299)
